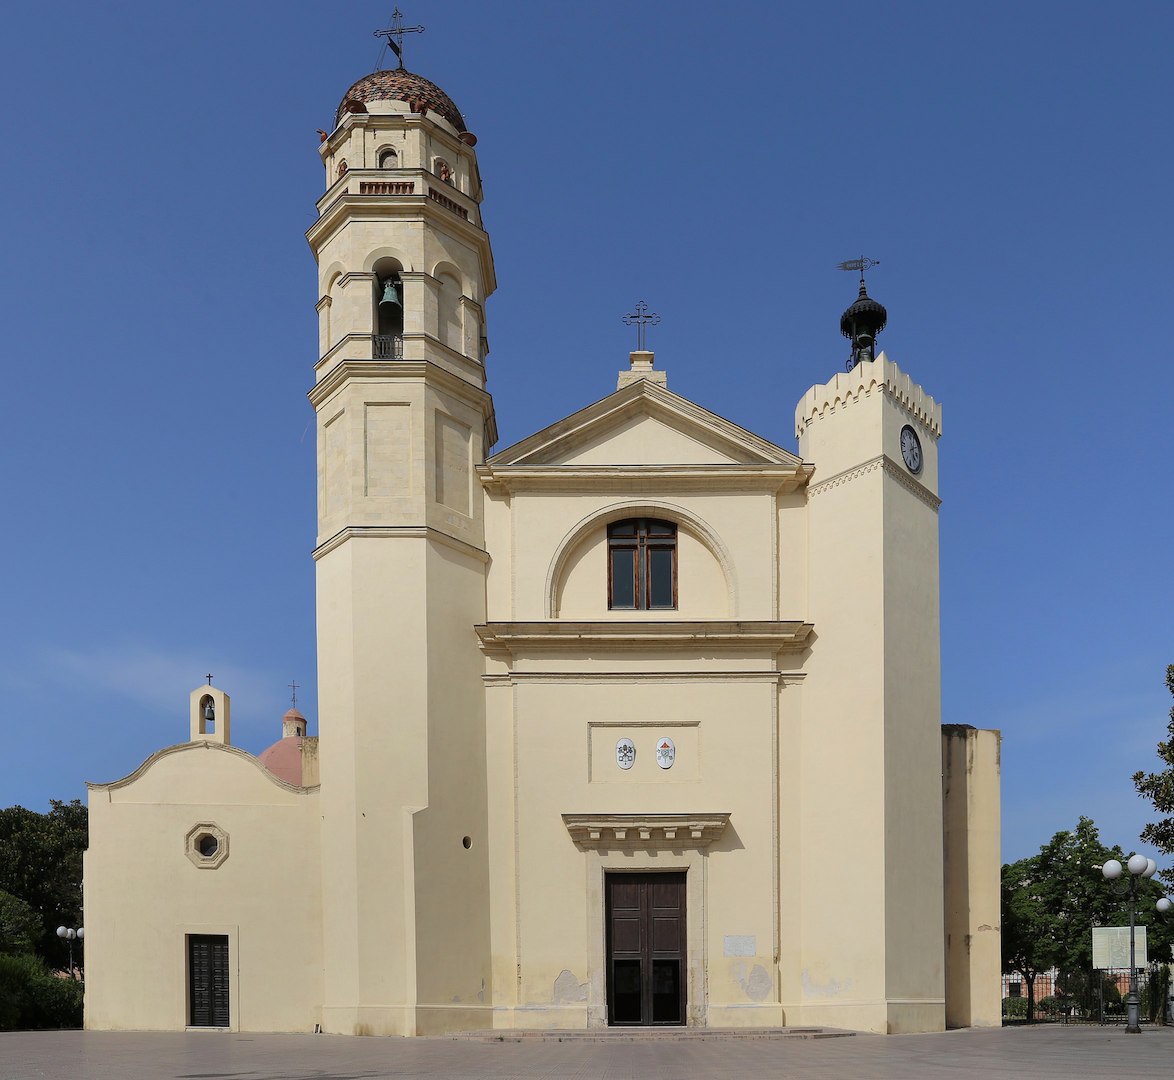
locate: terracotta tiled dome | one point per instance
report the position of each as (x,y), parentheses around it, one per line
(399,84)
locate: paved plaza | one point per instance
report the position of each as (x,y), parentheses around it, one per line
(1023,1053)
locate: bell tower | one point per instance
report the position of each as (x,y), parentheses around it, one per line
(871,727)
(403,418)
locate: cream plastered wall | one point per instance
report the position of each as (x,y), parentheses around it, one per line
(144,895)
(871,708)
(552,735)
(970,787)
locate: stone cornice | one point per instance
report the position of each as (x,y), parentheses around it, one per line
(911,483)
(880,375)
(198,744)
(890,467)
(648,398)
(391,370)
(398,532)
(417,207)
(643,830)
(772,478)
(566,636)
(707,675)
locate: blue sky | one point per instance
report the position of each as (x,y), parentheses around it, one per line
(1009,164)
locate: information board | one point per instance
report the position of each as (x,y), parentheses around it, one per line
(1110,947)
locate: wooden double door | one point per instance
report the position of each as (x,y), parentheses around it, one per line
(208,980)
(645,948)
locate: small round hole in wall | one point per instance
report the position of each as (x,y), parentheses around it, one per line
(466,842)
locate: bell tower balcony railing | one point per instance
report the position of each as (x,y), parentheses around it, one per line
(387,346)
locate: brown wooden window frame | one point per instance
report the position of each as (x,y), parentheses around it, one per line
(641,536)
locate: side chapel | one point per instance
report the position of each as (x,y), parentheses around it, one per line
(633,722)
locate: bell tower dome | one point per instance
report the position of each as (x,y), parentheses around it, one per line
(404,419)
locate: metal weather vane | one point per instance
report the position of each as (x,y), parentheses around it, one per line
(641,318)
(860,264)
(394,34)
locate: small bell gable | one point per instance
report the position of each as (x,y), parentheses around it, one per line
(209,715)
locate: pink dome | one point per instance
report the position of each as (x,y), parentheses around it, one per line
(284,759)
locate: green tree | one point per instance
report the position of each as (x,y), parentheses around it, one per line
(1052,900)
(1027,945)
(20,926)
(41,864)
(1158,787)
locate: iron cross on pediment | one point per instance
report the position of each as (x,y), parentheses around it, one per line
(641,318)
(394,34)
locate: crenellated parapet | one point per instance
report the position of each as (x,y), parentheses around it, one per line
(878,376)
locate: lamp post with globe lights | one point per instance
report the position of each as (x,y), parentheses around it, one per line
(69,935)
(1139,867)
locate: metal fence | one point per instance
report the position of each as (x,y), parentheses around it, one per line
(1092,997)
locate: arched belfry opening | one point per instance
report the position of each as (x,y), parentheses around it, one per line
(209,713)
(388,342)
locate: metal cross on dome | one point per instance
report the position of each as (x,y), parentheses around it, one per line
(395,34)
(293,693)
(642,318)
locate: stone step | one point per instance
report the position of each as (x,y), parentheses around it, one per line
(646,1034)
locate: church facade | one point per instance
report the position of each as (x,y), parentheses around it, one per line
(634,722)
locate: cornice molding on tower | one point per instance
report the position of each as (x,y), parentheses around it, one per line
(391,370)
(396,532)
(910,483)
(890,467)
(365,276)
(416,207)
(881,375)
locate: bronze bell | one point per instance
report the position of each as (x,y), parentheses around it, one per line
(209,712)
(391,297)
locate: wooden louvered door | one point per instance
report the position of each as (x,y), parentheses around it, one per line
(208,980)
(646,948)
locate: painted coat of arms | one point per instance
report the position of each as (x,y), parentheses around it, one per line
(625,753)
(666,753)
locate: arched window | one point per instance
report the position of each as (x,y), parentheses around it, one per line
(389,311)
(388,159)
(642,564)
(342,168)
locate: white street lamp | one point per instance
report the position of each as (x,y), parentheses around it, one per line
(69,935)
(1139,867)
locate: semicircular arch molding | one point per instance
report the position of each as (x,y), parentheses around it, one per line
(444,268)
(385,254)
(697,527)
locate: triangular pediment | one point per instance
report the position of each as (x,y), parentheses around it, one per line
(644,424)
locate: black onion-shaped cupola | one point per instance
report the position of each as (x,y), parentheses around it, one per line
(860,324)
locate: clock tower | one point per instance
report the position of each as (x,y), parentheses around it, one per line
(871,736)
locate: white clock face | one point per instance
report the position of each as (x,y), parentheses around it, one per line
(911,449)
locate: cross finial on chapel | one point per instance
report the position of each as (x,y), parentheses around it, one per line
(642,318)
(209,678)
(395,34)
(293,693)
